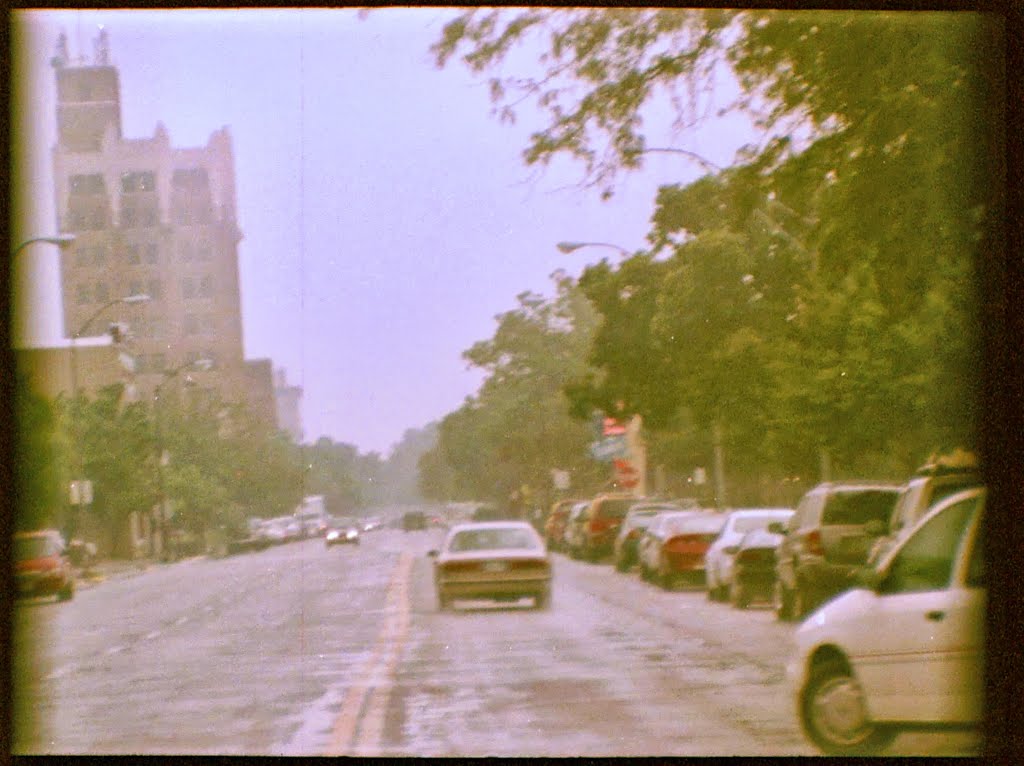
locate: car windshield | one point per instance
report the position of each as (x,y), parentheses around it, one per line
(750,523)
(860,507)
(492,539)
(33,548)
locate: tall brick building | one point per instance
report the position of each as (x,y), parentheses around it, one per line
(153,219)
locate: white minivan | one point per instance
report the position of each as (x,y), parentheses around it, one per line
(904,649)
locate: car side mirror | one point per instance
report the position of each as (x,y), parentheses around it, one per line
(433,554)
(874,528)
(777,528)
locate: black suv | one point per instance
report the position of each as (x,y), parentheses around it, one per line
(828,537)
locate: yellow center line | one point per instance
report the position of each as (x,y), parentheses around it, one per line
(377,671)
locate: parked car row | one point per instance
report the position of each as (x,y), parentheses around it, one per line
(893,574)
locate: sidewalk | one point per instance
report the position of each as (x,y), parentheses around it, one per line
(119,569)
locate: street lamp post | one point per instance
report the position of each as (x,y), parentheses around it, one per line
(80,460)
(168,375)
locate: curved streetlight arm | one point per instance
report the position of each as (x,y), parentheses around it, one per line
(63,241)
(569,247)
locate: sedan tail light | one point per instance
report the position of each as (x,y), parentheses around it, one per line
(812,541)
(528,565)
(691,544)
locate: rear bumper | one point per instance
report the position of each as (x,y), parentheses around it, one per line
(31,585)
(493,588)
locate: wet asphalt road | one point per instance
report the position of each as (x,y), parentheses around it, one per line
(301,650)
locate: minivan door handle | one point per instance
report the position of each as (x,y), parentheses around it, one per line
(936,615)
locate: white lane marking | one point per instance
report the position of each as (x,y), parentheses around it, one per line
(116,649)
(152,635)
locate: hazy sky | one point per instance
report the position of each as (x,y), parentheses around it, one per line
(387,216)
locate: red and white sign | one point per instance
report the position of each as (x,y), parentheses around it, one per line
(612,427)
(626,474)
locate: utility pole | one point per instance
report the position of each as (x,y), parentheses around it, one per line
(720,500)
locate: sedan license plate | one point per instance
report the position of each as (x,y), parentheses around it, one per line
(495,566)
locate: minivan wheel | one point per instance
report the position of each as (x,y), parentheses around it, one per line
(738,595)
(834,715)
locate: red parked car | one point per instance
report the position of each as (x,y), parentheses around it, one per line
(40,566)
(674,545)
(602,521)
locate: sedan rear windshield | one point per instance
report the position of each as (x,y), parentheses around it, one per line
(750,523)
(33,548)
(614,509)
(860,507)
(487,539)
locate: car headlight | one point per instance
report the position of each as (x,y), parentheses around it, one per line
(332,535)
(351,534)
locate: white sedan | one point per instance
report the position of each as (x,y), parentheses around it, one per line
(495,560)
(719,560)
(903,649)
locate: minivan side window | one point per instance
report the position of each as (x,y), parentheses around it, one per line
(926,561)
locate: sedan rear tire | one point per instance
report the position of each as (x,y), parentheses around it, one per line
(738,596)
(782,602)
(543,600)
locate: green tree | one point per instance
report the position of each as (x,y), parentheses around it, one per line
(116,444)
(518,428)
(856,213)
(38,469)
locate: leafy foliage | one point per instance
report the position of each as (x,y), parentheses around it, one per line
(819,293)
(517,428)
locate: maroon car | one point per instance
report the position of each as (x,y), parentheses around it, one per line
(41,568)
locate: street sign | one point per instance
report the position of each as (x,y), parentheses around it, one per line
(612,427)
(699,476)
(560,479)
(81,492)
(609,448)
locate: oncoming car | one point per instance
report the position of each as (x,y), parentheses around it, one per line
(342,531)
(496,560)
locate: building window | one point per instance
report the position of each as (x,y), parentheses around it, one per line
(144,181)
(156,363)
(191,179)
(99,255)
(188,288)
(149,217)
(132,251)
(152,253)
(102,294)
(83,256)
(206,287)
(128,217)
(209,325)
(99,220)
(87,184)
(156,289)
(83,294)
(183,216)
(135,287)
(185,252)
(204,252)
(191,324)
